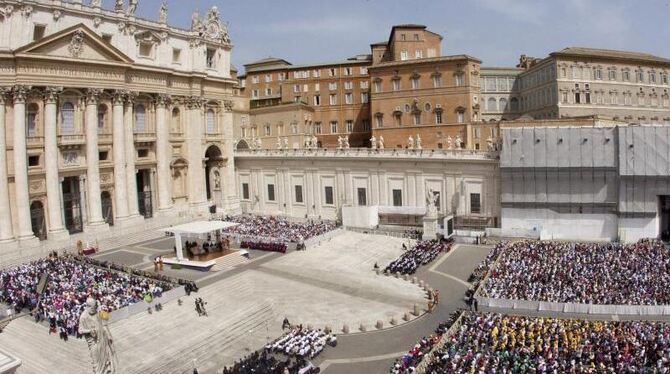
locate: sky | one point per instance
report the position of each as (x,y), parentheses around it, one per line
(495,31)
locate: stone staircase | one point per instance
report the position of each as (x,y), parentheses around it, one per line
(44,353)
(228,262)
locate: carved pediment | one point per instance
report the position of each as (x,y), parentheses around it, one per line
(148,37)
(77,42)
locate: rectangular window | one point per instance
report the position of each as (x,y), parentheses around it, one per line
(298,194)
(459,79)
(142,153)
(460,117)
(333,127)
(332,86)
(397,197)
(245,191)
(271,192)
(38,32)
(103,156)
(145,49)
(316,73)
(475,203)
(348,85)
(333,99)
(296,88)
(211,58)
(348,71)
(363,70)
(396,85)
(403,55)
(365,97)
(268,92)
(438,117)
(254,94)
(418,53)
(362,196)
(317,100)
(176,55)
(437,81)
(33,160)
(415,83)
(416,118)
(254,79)
(348,98)
(350,126)
(378,86)
(379,121)
(305,88)
(364,85)
(329,195)
(317,87)
(332,72)
(317,127)
(366,125)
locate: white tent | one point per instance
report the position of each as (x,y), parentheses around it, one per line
(195,228)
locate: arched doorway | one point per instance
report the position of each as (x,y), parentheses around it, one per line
(107,210)
(214,161)
(37,220)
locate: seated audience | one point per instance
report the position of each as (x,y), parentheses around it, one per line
(278,229)
(422,253)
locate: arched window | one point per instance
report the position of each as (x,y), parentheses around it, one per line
(503,104)
(140,118)
(102,117)
(211,122)
(31,119)
(514,104)
(176,120)
(67,118)
(492,104)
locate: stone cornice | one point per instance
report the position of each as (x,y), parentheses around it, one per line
(369,154)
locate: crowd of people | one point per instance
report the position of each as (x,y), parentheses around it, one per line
(264,246)
(422,253)
(69,283)
(408,363)
(478,275)
(193,248)
(277,229)
(289,354)
(588,273)
(495,343)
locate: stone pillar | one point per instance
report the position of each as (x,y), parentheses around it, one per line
(163,154)
(54,194)
(21,165)
(119,149)
(228,184)
(6,229)
(95,219)
(131,181)
(197,196)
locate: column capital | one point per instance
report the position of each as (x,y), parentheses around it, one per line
(4,92)
(118,97)
(195,102)
(20,93)
(92,96)
(228,105)
(163,100)
(130,96)
(50,94)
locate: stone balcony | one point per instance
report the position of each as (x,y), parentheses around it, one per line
(105,138)
(368,153)
(144,137)
(71,139)
(32,140)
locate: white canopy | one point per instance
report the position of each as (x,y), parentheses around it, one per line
(199,227)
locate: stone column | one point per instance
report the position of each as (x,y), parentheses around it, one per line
(129,143)
(54,207)
(119,149)
(231,199)
(21,165)
(197,196)
(6,229)
(92,162)
(163,154)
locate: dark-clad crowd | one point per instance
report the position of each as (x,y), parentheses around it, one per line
(277,229)
(422,253)
(590,273)
(495,343)
(263,246)
(69,283)
(289,354)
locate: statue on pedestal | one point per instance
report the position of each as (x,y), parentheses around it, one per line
(315,142)
(196,23)
(96,3)
(459,142)
(132,7)
(162,12)
(259,143)
(431,202)
(373,142)
(285,143)
(346,142)
(418,142)
(381,142)
(118,6)
(410,142)
(340,142)
(98,338)
(489,144)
